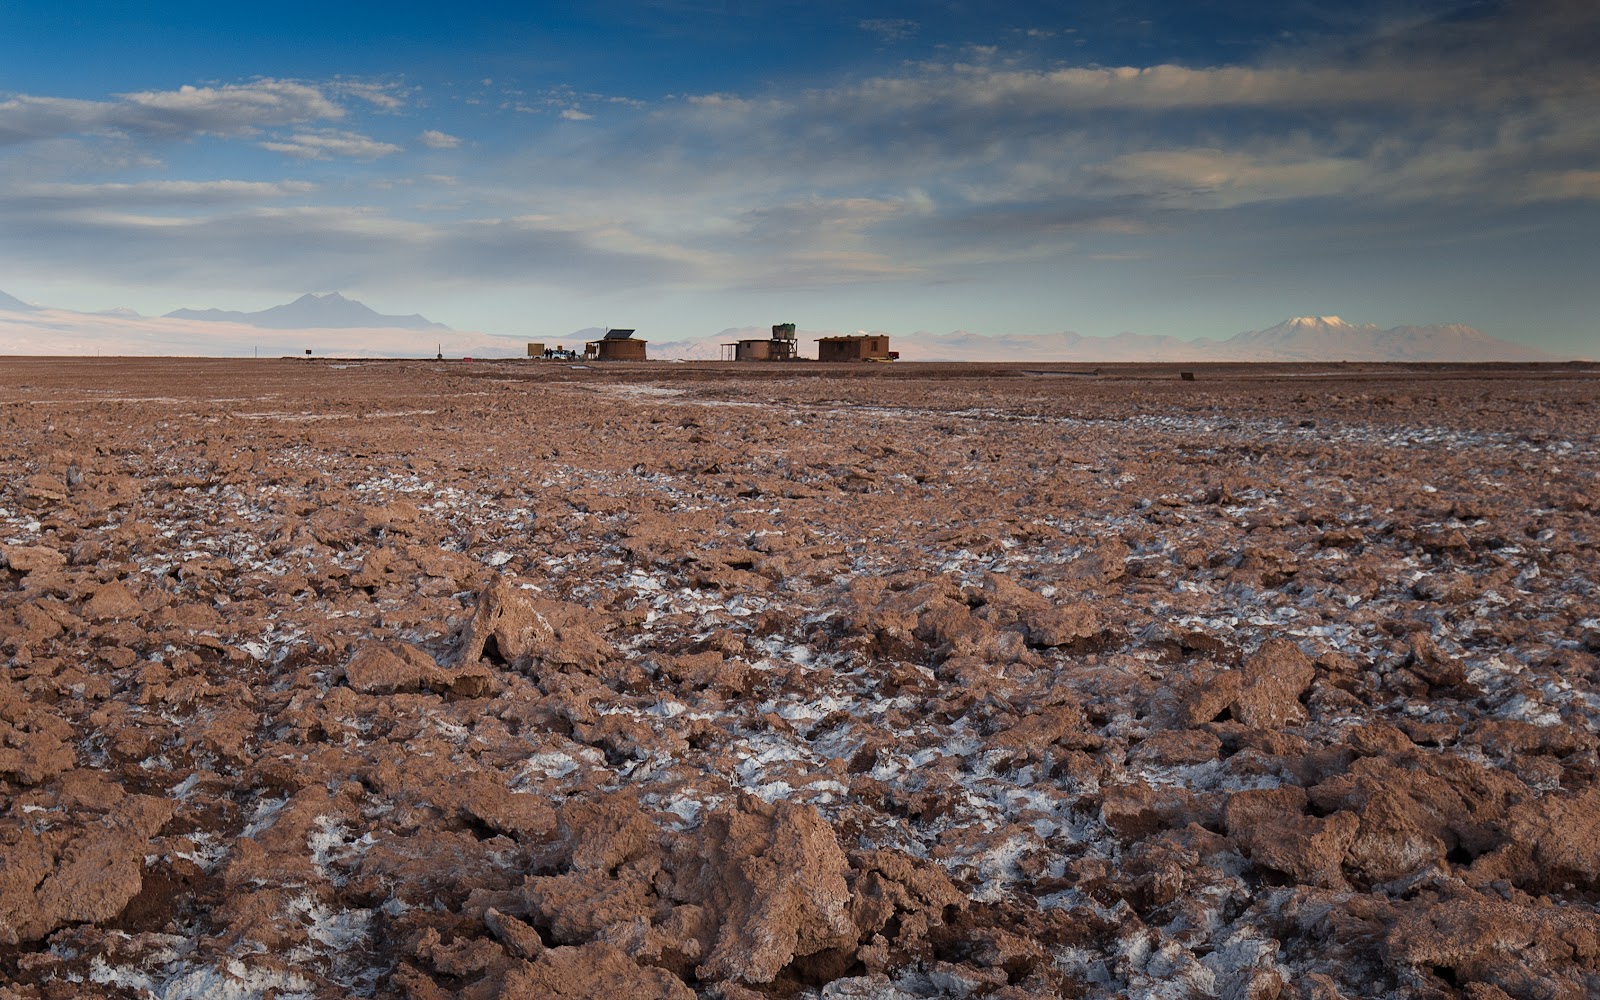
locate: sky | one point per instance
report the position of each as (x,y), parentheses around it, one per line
(1190,168)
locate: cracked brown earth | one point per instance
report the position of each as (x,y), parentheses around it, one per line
(507,680)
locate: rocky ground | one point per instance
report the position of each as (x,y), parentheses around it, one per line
(521,680)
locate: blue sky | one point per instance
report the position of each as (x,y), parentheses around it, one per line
(1184,168)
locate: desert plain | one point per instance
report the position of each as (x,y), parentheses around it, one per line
(523,680)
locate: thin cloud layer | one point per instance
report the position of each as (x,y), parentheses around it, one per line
(1326,130)
(315,247)
(228,110)
(323,144)
(152,193)
(435,139)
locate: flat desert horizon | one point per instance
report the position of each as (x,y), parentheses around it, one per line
(506,679)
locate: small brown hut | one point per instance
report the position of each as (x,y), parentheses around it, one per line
(747,350)
(616,345)
(857,347)
(780,347)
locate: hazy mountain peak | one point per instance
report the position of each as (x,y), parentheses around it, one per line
(1329,338)
(12,304)
(312,311)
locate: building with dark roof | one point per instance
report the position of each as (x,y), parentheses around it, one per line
(616,345)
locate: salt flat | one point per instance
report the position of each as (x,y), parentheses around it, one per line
(519,679)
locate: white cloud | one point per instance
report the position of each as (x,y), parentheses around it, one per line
(384,96)
(1423,128)
(326,246)
(160,192)
(434,139)
(322,144)
(240,105)
(232,110)
(25,117)
(574,115)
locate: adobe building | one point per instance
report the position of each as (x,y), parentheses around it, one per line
(747,350)
(779,347)
(616,345)
(857,347)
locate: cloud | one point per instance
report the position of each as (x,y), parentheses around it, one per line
(1567,184)
(966,101)
(389,97)
(327,246)
(816,242)
(1171,87)
(1438,112)
(930,170)
(565,101)
(229,110)
(923,172)
(322,144)
(154,193)
(1215,178)
(890,29)
(238,106)
(434,139)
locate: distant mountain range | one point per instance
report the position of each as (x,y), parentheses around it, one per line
(34,329)
(321,312)
(1329,338)
(1304,338)
(330,325)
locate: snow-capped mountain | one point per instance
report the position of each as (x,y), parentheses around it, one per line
(1329,338)
(324,312)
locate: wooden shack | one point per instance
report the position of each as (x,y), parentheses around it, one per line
(616,345)
(857,347)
